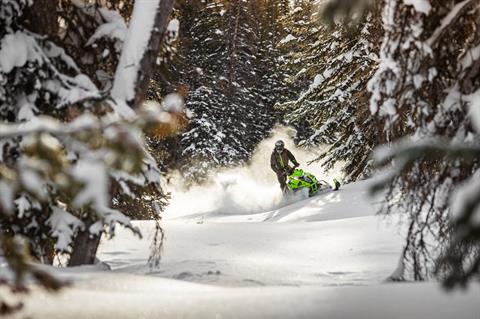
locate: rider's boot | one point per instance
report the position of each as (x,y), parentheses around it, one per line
(336,185)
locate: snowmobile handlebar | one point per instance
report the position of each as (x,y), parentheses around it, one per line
(289,170)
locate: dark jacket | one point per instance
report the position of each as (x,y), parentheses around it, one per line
(279,161)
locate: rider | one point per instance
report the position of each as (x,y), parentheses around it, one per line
(279,163)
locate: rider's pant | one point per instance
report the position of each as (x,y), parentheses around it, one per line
(282,179)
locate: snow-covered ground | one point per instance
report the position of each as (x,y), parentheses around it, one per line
(128,296)
(328,240)
(324,257)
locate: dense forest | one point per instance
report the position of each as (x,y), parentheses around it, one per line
(246,66)
(388,88)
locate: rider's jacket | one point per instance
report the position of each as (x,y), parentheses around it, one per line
(279,161)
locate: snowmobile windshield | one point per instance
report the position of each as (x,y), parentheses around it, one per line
(297,173)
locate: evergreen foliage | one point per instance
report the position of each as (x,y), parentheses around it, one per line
(332,110)
(426,89)
(229,62)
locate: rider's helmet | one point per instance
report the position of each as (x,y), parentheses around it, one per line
(279,146)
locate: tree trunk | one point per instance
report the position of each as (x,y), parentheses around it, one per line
(84,248)
(43,18)
(147,64)
(136,61)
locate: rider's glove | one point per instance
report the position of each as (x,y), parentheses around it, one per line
(296,165)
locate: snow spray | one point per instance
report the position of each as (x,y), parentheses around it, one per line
(248,189)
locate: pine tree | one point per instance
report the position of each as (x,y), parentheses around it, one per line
(202,63)
(426,89)
(273,87)
(301,31)
(70,144)
(224,63)
(339,64)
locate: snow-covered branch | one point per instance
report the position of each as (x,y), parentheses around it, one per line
(148,24)
(450,19)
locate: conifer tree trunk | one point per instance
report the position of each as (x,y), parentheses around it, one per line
(43,17)
(149,59)
(134,70)
(85,248)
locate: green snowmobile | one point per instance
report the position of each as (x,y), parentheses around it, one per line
(299,179)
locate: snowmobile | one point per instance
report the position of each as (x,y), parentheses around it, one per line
(299,179)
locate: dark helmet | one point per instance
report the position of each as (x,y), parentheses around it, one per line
(279,145)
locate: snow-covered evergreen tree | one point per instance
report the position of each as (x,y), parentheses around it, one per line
(224,60)
(301,30)
(426,87)
(69,146)
(272,87)
(203,50)
(338,64)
